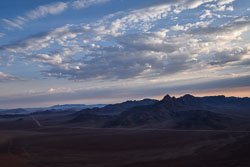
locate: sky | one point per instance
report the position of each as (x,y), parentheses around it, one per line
(108,51)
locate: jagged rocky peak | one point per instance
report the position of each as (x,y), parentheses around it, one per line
(167,98)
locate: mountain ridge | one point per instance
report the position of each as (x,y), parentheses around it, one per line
(185,112)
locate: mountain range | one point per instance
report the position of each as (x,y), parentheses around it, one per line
(74,107)
(186,112)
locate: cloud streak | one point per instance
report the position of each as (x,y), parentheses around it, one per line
(13,24)
(78,4)
(49,9)
(6,77)
(104,95)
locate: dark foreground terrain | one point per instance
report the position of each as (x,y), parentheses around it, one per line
(78,147)
(174,132)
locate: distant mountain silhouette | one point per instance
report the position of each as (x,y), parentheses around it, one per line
(118,108)
(74,106)
(51,109)
(14,111)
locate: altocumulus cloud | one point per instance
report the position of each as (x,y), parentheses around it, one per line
(143,53)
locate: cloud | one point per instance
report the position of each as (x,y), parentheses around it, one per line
(11,24)
(207,14)
(36,42)
(103,95)
(59,90)
(228,56)
(221,5)
(142,54)
(225,2)
(116,44)
(145,18)
(43,40)
(145,15)
(230,8)
(178,28)
(227,31)
(189,26)
(78,4)
(18,22)
(6,77)
(136,55)
(50,9)
(47,59)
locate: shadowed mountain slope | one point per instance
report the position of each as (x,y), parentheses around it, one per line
(113,109)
